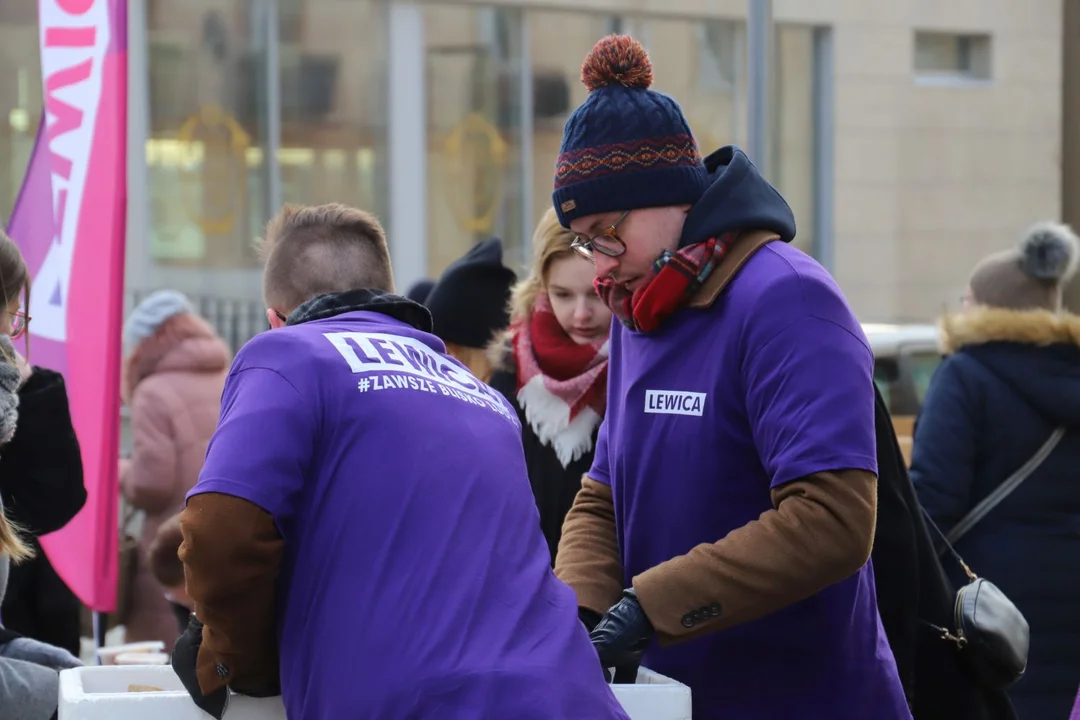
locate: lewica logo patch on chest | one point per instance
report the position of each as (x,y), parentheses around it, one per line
(673,402)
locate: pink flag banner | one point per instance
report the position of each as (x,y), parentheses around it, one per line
(69,221)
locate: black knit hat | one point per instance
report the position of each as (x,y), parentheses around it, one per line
(469,302)
(420,290)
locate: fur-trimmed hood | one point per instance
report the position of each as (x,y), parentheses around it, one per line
(1035,352)
(183,343)
(1028,327)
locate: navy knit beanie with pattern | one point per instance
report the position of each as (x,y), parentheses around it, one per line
(626,146)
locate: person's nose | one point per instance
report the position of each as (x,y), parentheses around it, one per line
(582,311)
(604,265)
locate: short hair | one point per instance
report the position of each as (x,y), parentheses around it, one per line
(315,250)
(165,564)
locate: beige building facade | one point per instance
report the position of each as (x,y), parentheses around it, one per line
(911,137)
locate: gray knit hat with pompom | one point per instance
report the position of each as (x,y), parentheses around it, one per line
(1031,276)
(148,315)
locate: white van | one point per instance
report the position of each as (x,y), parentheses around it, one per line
(905,358)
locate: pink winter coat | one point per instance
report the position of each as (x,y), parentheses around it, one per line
(173,382)
(1075,715)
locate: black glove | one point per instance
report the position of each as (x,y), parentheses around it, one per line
(589,618)
(622,636)
(185,657)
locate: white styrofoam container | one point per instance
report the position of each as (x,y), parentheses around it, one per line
(101,693)
(654,697)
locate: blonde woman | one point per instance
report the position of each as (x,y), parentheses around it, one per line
(551,364)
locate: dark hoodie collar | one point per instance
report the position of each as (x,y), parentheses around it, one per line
(737,199)
(331,304)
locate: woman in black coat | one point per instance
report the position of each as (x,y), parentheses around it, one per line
(1012,376)
(551,365)
(41,475)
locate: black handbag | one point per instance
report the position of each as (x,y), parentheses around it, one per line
(990,632)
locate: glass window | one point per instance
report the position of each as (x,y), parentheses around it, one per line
(923,365)
(886,377)
(474,102)
(20,97)
(332,113)
(206,145)
(792,132)
(950,55)
(700,64)
(558,43)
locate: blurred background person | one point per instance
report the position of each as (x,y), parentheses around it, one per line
(551,365)
(468,304)
(168,570)
(419,290)
(173,375)
(1011,378)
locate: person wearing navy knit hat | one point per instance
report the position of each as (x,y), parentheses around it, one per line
(732,498)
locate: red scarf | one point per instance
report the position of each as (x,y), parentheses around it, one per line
(673,280)
(562,385)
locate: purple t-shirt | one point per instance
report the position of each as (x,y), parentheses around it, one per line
(705,415)
(416,581)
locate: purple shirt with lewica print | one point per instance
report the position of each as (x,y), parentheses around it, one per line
(416,581)
(707,415)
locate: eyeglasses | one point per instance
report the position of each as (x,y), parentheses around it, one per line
(19,322)
(606,243)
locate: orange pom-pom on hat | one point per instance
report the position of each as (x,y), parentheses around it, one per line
(617,59)
(626,146)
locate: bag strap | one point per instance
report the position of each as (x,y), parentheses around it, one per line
(1006,488)
(947,546)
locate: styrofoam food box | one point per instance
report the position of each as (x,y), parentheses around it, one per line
(108,655)
(141,658)
(101,693)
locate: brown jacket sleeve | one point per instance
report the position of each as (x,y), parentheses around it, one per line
(231,553)
(588,558)
(820,531)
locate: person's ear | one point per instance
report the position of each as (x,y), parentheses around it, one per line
(274,318)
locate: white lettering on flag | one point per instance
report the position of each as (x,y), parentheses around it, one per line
(73,48)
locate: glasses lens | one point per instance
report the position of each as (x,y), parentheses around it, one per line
(609,245)
(18,326)
(582,248)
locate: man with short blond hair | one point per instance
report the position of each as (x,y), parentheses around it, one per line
(312,251)
(363,530)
